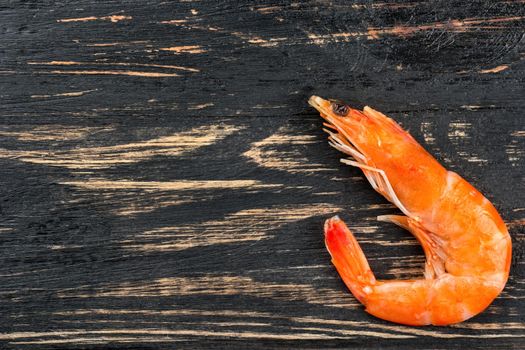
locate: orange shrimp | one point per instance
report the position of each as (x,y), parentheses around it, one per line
(465,241)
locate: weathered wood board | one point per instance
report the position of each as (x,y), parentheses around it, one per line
(163,182)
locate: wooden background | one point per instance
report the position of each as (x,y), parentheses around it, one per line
(163,182)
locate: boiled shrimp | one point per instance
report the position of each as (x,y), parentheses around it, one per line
(465,241)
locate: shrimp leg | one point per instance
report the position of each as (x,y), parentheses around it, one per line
(382,183)
(435,256)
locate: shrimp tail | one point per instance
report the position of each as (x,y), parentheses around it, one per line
(348,258)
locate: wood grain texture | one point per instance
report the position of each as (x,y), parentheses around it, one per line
(163,183)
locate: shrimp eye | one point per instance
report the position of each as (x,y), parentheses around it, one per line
(340,109)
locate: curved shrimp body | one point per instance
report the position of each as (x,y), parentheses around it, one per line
(466,243)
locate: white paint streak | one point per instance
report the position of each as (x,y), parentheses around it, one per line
(191,49)
(246,37)
(245,225)
(118,43)
(328,325)
(157,335)
(218,285)
(426,129)
(458,130)
(283,150)
(476,107)
(108,156)
(459,133)
(54,132)
(268,9)
(181,185)
(258,41)
(112,18)
(463,25)
(175,21)
(323,39)
(515,150)
(494,70)
(130,198)
(112,72)
(201,106)
(105,63)
(65,94)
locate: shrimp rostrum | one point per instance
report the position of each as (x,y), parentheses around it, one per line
(465,241)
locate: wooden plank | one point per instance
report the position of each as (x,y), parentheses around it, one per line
(164,183)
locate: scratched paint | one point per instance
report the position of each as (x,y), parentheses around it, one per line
(112,18)
(201,106)
(275,152)
(476,107)
(192,49)
(212,316)
(215,285)
(495,69)
(263,223)
(310,328)
(426,130)
(126,64)
(257,40)
(454,25)
(65,94)
(134,198)
(247,38)
(130,73)
(53,132)
(174,21)
(118,43)
(255,54)
(166,185)
(267,9)
(160,335)
(460,132)
(108,156)
(515,150)
(323,39)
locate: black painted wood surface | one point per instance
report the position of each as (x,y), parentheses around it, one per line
(164,182)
